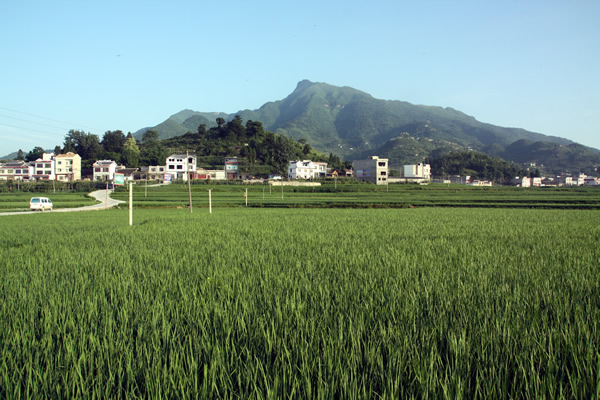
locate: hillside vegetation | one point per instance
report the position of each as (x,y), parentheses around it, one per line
(352,124)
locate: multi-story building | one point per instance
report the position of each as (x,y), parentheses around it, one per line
(16,170)
(373,169)
(68,167)
(306,169)
(522,181)
(104,170)
(181,166)
(155,172)
(419,170)
(232,168)
(43,168)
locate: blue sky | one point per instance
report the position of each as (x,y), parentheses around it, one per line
(109,65)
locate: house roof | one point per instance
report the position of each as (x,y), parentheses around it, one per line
(68,155)
(105,162)
(126,171)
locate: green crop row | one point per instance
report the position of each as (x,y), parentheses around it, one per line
(393,196)
(304,303)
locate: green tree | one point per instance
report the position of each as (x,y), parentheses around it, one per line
(113,141)
(87,145)
(152,151)
(34,154)
(131,153)
(20,155)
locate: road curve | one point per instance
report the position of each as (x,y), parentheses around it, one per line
(99,195)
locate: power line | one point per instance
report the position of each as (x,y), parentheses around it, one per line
(49,119)
(29,129)
(31,122)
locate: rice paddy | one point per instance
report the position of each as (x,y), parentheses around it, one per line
(301,303)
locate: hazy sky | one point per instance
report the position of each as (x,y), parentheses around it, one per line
(109,65)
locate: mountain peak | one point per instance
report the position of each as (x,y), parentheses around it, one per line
(303,85)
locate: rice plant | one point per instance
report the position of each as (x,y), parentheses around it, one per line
(302,303)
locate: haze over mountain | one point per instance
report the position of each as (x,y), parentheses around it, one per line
(352,124)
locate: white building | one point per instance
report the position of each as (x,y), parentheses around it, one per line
(522,181)
(181,166)
(306,169)
(104,170)
(373,169)
(419,170)
(43,168)
(17,170)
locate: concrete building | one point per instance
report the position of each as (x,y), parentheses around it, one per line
(232,168)
(104,170)
(43,168)
(16,170)
(181,166)
(155,172)
(306,169)
(522,181)
(419,171)
(212,174)
(68,167)
(373,169)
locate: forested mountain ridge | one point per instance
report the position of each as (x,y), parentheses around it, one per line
(352,124)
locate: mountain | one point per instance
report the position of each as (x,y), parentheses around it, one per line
(353,124)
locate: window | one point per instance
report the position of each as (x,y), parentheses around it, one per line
(180,167)
(96,169)
(382,173)
(39,165)
(59,162)
(381,164)
(171,167)
(104,169)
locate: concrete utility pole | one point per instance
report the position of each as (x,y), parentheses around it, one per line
(106,203)
(130,203)
(209,201)
(187,160)
(246,197)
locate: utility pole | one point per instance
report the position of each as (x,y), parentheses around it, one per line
(187,160)
(106,203)
(130,203)
(209,201)
(246,197)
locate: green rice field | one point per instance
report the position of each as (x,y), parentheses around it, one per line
(361,195)
(426,302)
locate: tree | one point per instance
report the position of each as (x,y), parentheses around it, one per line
(306,149)
(152,152)
(131,153)
(202,130)
(34,154)
(20,155)
(113,141)
(87,145)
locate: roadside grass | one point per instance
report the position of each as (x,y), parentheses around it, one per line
(19,201)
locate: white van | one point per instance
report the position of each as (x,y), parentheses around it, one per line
(40,203)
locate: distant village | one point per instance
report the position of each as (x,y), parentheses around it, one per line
(183,167)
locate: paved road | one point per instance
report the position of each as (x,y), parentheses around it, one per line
(99,195)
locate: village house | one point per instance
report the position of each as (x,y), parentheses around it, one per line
(104,170)
(68,167)
(181,166)
(373,169)
(306,169)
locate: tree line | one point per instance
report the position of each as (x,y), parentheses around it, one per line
(256,148)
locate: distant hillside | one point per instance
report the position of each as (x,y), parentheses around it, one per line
(353,124)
